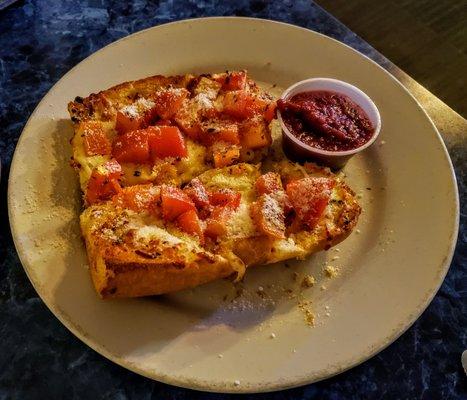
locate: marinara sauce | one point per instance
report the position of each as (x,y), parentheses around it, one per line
(326,120)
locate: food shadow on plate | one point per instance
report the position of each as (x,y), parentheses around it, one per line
(265,291)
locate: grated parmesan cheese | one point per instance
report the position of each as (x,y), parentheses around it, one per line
(203,101)
(241,224)
(134,110)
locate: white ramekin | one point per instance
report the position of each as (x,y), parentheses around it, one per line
(300,151)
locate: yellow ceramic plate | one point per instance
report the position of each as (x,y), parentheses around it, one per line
(390,268)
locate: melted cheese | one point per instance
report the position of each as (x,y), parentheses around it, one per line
(285,249)
(194,164)
(135,109)
(240,224)
(243,183)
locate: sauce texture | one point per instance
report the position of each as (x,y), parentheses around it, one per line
(326,120)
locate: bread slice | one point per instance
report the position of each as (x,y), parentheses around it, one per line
(216,130)
(135,252)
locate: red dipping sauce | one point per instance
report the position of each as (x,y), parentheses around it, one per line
(326,120)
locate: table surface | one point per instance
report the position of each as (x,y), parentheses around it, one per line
(41,359)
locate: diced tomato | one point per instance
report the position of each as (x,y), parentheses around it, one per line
(220,131)
(197,192)
(103,183)
(127,123)
(224,154)
(254,134)
(268,183)
(188,123)
(309,198)
(169,101)
(94,138)
(225,198)
(174,202)
(166,141)
(164,122)
(241,104)
(235,80)
(229,133)
(235,104)
(132,147)
(270,111)
(190,223)
(269,217)
(139,198)
(216,224)
(190,128)
(135,116)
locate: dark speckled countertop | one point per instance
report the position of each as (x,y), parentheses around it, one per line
(40,359)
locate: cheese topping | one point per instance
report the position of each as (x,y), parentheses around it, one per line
(139,106)
(273,212)
(240,223)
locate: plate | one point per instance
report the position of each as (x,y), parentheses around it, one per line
(226,338)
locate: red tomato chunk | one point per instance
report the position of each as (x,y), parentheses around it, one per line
(104,182)
(95,139)
(309,198)
(190,223)
(145,145)
(268,183)
(169,101)
(225,198)
(139,198)
(132,147)
(175,202)
(166,141)
(197,192)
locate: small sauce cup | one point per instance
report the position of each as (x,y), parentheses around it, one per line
(296,149)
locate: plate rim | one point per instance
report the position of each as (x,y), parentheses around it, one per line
(222,388)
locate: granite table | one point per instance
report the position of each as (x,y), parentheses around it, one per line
(40,359)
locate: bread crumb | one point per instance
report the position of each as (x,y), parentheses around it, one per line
(272,335)
(308,281)
(323,287)
(237,382)
(305,307)
(220,356)
(335,258)
(331,271)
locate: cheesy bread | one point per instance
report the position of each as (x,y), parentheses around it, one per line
(167,130)
(151,239)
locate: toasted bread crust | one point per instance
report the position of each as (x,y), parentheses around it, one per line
(101,105)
